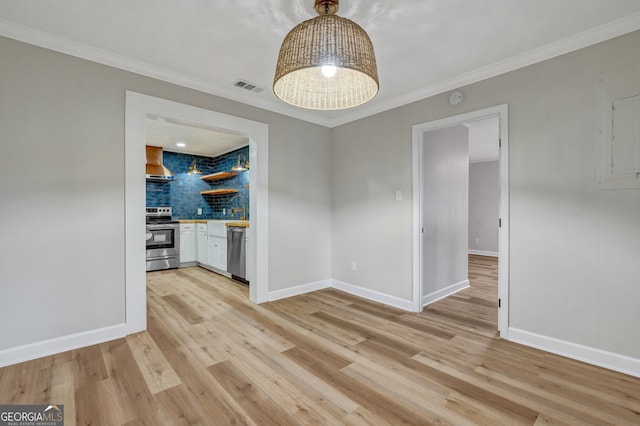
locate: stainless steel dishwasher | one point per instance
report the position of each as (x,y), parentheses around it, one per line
(237,253)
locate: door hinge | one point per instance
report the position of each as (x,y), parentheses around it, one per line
(500,143)
(499,303)
(422,229)
(500,223)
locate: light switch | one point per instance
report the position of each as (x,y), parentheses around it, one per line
(199,211)
(398,195)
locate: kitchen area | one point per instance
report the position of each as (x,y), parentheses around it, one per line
(197,198)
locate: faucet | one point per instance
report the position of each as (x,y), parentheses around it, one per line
(238,209)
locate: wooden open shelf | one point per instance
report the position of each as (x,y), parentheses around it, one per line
(219,176)
(222,191)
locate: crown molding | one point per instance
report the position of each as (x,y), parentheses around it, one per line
(578,41)
(49,41)
(63,45)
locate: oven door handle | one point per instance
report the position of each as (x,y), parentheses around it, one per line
(162,226)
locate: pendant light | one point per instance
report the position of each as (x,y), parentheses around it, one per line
(193,169)
(326,63)
(241,165)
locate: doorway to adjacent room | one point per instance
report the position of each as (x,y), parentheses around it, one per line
(441,206)
(138,109)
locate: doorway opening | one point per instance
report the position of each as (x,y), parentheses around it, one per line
(207,189)
(138,109)
(440,254)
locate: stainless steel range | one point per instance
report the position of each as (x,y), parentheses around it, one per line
(163,239)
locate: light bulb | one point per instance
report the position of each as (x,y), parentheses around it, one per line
(329,70)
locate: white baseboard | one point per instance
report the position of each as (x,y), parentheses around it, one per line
(484,253)
(375,296)
(427,299)
(60,344)
(74,341)
(610,360)
(298,290)
(347,288)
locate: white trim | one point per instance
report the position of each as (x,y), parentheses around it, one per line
(134,223)
(373,295)
(428,299)
(484,160)
(298,290)
(592,36)
(416,204)
(364,293)
(258,250)
(79,50)
(484,253)
(612,361)
(137,108)
(61,344)
(504,251)
(578,41)
(418,131)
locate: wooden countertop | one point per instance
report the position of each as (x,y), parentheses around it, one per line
(242,223)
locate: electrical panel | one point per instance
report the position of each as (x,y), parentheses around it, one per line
(618,133)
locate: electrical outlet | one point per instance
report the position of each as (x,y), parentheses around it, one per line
(477,240)
(353,265)
(199,211)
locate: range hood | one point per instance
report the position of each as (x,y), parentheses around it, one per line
(156,171)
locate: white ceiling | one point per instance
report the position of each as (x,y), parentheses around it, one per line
(197,140)
(483,139)
(423,47)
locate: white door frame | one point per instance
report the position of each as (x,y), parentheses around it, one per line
(500,111)
(138,108)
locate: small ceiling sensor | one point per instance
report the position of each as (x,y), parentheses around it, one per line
(455,98)
(181,144)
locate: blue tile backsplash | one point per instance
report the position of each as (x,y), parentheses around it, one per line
(183,193)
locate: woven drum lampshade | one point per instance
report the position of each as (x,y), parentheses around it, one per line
(326,63)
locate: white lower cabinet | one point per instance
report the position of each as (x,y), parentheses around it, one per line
(203,248)
(217,252)
(217,244)
(204,243)
(187,242)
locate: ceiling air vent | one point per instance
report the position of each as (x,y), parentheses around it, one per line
(244,84)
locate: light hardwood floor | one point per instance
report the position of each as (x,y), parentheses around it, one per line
(211,357)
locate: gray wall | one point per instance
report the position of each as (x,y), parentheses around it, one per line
(574,249)
(62,192)
(484,199)
(445,208)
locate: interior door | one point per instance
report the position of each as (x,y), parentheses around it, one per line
(445,212)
